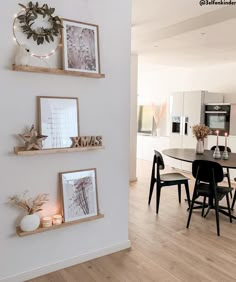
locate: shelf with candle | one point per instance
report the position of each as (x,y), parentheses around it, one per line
(57,225)
(216,154)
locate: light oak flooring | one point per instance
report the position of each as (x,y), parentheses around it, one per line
(162,248)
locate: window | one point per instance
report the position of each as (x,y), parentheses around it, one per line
(145,119)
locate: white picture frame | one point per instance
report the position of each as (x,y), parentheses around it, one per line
(59,120)
(80,46)
(79,191)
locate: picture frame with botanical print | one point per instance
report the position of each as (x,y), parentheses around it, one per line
(80,46)
(58,118)
(79,192)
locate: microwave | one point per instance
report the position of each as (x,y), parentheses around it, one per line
(217,117)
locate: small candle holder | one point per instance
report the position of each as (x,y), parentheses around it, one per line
(46,221)
(216,154)
(57,219)
(225,155)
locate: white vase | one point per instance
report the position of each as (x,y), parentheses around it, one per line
(200,147)
(30,222)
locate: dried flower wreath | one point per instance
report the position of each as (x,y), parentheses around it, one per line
(27,20)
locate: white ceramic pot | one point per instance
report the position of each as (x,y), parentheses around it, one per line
(30,222)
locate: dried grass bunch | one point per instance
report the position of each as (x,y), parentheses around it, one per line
(31,205)
(201,131)
(159,112)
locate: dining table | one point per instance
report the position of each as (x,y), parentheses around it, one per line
(190,155)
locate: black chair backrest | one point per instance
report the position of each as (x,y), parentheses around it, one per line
(159,160)
(207,171)
(221,148)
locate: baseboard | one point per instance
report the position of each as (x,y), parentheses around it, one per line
(133,180)
(67,263)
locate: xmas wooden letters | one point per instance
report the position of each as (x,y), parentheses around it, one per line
(86,141)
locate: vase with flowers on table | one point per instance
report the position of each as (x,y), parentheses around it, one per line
(201,132)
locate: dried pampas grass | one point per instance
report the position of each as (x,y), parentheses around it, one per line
(30,205)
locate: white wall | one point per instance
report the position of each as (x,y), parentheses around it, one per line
(159,82)
(104,109)
(133,116)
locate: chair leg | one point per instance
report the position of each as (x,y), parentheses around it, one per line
(191,208)
(229,210)
(234,199)
(151,190)
(179,192)
(187,193)
(158,195)
(217,217)
(203,206)
(229,182)
(208,210)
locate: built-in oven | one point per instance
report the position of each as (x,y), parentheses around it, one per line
(180,125)
(217,117)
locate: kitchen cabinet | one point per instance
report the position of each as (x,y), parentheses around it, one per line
(187,109)
(147,144)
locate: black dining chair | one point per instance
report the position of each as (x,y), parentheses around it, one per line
(234,198)
(167,179)
(226,174)
(208,174)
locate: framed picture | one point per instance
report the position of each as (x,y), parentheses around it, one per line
(81,47)
(79,190)
(59,120)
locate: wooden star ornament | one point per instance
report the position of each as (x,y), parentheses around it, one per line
(32,140)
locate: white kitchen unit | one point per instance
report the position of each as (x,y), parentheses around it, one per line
(187,109)
(147,144)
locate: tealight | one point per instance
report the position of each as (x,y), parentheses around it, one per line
(47,221)
(57,219)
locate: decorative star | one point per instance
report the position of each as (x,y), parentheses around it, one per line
(33,140)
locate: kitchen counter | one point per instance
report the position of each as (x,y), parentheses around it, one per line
(146,144)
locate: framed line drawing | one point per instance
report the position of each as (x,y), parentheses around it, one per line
(59,120)
(80,46)
(79,190)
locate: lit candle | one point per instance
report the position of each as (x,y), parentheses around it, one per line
(57,219)
(226,134)
(47,221)
(217,138)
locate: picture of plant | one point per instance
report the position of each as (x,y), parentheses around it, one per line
(81,50)
(79,194)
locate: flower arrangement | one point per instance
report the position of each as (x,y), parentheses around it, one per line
(158,113)
(201,131)
(30,205)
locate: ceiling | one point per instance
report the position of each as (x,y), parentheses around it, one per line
(183,33)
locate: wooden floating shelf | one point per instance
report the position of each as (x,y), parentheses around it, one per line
(21,233)
(21,150)
(56,71)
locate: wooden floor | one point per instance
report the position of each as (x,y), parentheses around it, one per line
(162,248)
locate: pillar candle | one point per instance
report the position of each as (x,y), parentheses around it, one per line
(226,134)
(217,138)
(57,219)
(47,221)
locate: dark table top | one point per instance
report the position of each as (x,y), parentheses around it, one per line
(189,155)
